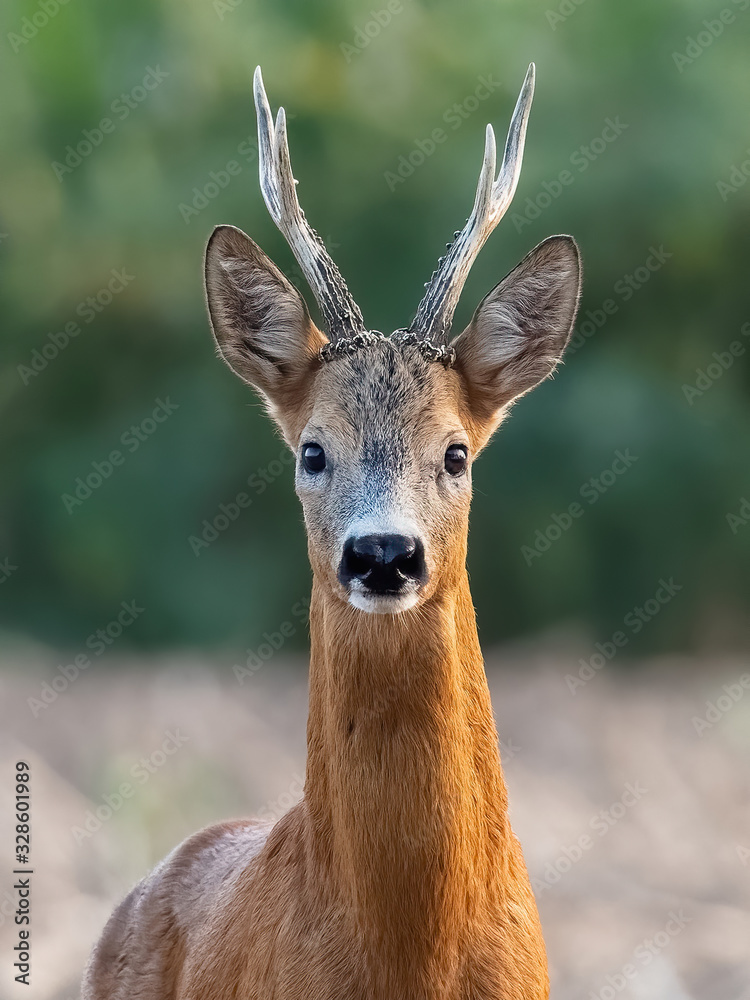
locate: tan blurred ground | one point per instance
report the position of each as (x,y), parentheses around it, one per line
(682,846)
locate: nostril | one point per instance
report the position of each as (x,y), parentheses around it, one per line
(360,560)
(411,564)
(383,563)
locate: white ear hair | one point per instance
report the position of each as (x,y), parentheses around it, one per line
(519,331)
(260,321)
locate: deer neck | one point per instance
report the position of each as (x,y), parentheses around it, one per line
(405,794)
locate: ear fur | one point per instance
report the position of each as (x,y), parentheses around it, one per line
(519,330)
(260,321)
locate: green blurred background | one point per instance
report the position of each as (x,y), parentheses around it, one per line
(363,97)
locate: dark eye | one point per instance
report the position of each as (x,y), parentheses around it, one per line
(455,459)
(313,458)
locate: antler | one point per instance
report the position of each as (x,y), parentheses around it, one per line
(435,312)
(340,312)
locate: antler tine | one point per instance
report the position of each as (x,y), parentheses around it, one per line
(435,312)
(340,312)
(265,147)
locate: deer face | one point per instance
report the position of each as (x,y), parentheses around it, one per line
(385,430)
(384,475)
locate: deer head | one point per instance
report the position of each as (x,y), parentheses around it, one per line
(385,429)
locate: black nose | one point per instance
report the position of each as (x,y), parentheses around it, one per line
(383,563)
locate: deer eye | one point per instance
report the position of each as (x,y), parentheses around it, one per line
(313,458)
(455,459)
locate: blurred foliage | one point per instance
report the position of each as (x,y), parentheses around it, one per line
(356,109)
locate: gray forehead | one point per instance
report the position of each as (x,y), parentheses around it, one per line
(379,396)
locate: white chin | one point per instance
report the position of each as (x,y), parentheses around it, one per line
(382,604)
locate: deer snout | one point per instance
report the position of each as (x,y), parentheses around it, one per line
(383,564)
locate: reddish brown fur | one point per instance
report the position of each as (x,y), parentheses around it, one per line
(398,876)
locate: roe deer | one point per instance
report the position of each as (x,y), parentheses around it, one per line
(397,877)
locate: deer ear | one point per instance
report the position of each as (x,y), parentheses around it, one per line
(260,321)
(519,330)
